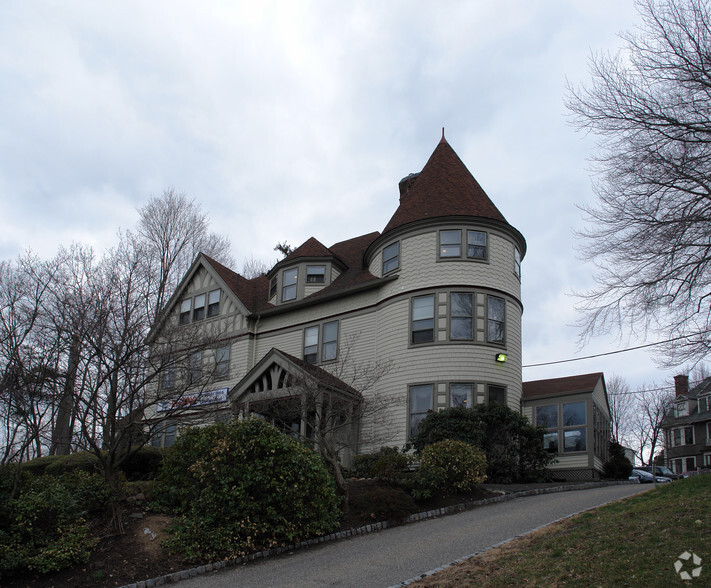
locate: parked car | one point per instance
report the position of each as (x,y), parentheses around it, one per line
(660,470)
(694,473)
(647,478)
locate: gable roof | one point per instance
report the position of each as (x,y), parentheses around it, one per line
(312,247)
(444,187)
(250,292)
(560,386)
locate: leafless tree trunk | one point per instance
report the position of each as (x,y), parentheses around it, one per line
(650,232)
(622,404)
(646,422)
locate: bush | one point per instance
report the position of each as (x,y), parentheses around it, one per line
(241,487)
(143,464)
(42,530)
(513,447)
(384,504)
(388,464)
(452,466)
(618,467)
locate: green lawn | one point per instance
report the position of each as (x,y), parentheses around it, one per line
(633,542)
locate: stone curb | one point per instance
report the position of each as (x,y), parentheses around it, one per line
(175,577)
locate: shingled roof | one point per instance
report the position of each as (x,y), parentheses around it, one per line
(444,187)
(567,385)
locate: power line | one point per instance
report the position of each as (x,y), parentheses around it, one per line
(604,354)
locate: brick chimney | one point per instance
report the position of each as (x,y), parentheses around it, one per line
(681,385)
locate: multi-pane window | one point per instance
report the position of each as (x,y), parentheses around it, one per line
(496,315)
(167,376)
(329,342)
(391,257)
(461,325)
(682,436)
(450,243)
(329,348)
(496,394)
(195,367)
(288,289)
(681,408)
(185,308)
(315,274)
(311,344)
(423,319)
(476,244)
(199,307)
(421,398)
(164,436)
(213,303)
(547,416)
(517,263)
(574,430)
(222,361)
(461,395)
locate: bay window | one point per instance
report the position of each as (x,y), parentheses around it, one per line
(422,328)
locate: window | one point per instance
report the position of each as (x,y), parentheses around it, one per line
(272,287)
(461,325)
(497,394)
(461,395)
(708,431)
(222,361)
(391,258)
(213,303)
(329,349)
(476,245)
(420,404)
(682,436)
(496,316)
(315,274)
(707,460)
(450,243)
(574,435)
(423,319)
(199,308)
(164,436)
(288,290)
(167,377)
(682,408)
(195,367)
(547,416)
(689,464)
(185,307)
(517,263)
(311,344)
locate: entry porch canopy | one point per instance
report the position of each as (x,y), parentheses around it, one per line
(301,398)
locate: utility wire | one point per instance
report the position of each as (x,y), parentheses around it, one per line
(603,354)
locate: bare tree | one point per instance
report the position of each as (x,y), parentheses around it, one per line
(622,405)
(646,422)
(649,234)
(253,268)
(173,230)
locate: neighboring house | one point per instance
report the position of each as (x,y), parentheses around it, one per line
(576,414)
(432,304)
(687,428)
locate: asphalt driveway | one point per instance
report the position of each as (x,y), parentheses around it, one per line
(398,554)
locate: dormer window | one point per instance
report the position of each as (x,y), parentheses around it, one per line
(391,257)
(185,308)
(288,289)
(272,287)
(213,303)
(315,274)
(199,308)
(682,408)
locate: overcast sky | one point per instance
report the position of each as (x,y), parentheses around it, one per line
(287,120)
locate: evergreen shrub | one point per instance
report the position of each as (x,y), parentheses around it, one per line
(451,466)
(241,487)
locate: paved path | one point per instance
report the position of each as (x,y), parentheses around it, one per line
(394,555)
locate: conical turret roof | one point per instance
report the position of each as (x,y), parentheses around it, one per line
(444,187)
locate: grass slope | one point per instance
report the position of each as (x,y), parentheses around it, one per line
(632,542)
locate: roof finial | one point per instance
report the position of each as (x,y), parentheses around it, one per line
(443,140)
